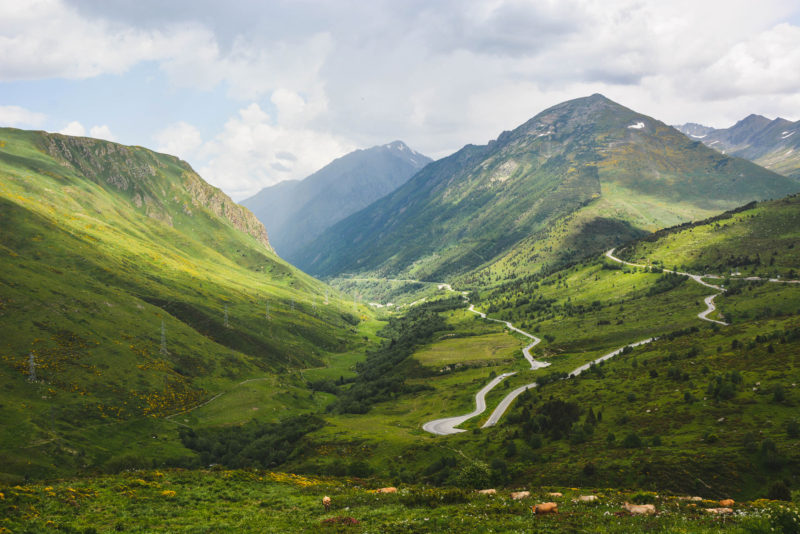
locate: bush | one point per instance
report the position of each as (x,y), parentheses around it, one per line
(644,497)
(793,429)
(589,469)
(770,456)
(750,442)
(632,441)
(775,520)
(779,491)
(473,475)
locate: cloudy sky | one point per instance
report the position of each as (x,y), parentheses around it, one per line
(254,92)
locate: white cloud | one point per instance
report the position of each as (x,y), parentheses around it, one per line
(253,152)
(766,64)
(18,116)
(47,38)
(73,128)
(436,74)
(179,139)
(101,132)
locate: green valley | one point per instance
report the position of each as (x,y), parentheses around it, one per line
(167,334)
(131,290)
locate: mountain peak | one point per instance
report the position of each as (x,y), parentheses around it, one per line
(301,210)
(396,145)
(753,121)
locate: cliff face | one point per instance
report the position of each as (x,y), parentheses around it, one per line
(205,195)
(158,184)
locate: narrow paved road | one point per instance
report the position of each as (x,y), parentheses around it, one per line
(506,402)
(448,425)
(709,300)
(535,364)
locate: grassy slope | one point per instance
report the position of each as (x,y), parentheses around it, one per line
(586,311)
(761,241)
(87,278)
(570,181)
(258,501)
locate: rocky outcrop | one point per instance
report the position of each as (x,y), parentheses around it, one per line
(103,161)
(205,195)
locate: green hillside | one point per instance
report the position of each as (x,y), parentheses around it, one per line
(131,290)
(580,176)
(704,409)
(763,239)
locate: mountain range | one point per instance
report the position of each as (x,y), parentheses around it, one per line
(576,178)
(297,211)
(148,323)
(773,144)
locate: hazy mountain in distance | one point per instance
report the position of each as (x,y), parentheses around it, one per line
(773,144)
(577,177)
(295,212)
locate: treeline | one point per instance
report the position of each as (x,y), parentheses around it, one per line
(382,376)
(259,445)
(658,234)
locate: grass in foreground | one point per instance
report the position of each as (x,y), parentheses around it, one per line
(261,501)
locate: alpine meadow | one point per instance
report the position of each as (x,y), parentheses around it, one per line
(587,322)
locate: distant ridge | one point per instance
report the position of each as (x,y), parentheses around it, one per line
(773,144)
(582,175)
(295,212)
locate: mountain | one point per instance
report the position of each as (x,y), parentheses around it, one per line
(580,176)
(773,144)
(130,290)
(296,212)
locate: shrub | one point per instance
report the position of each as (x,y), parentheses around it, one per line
(473,475)
(770,456)
(644,497)
(632,441)
(793,429)
(779,491)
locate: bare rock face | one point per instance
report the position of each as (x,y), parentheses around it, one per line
(117,165)
(205,195)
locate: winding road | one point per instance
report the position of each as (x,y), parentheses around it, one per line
(535,364)
(709,300)
(448,425)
